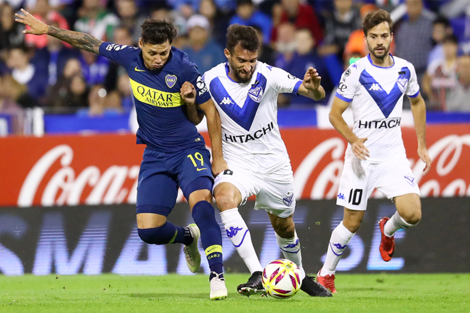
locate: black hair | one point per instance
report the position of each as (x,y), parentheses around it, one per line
(451,39)
(246,36)
(441,20)
(156,32)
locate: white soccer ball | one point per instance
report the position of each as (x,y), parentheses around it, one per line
(281,279)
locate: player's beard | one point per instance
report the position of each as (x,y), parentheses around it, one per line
(380,56)
(246,77)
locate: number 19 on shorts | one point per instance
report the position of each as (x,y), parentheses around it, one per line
(355,196)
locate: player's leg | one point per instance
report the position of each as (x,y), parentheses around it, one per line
(196,183)
(408,215)
(354,190)
(156,195)
(399,185)
(228,195)
(289,244)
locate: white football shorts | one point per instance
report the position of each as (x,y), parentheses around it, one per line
(274,191)
(359,178)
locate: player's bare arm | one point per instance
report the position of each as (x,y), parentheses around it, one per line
(214,127)
(418,108)
(76,39)
(338,122)
(311,85)
(188,94)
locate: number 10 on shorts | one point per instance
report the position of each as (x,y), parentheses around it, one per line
(355,195)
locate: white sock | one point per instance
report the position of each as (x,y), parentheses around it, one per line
(395,223)
(290,248)
(240,237)
(339,240)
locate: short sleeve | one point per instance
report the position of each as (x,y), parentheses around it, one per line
(283,82)
(193,76)
(348,84)
(121,54)
(413,87)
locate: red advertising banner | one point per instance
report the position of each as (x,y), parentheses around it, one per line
(103,169)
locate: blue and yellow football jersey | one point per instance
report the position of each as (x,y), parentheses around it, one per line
(163,126)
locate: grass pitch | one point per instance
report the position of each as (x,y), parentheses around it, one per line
(173,293)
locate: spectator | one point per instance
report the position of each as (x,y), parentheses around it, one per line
(304,57)
(70,92)
(285,44)
(302,15)
(440,29)
(10,90)
(217,19)
(51,59)
(247,14)
(96,20)
(11,33)
(97,104)
(122,36)
(459,95)
(414,37)
(124,88)
(441,76)
(44,13)
(129,17)
(26,74)
(344,20)
(266,54)
(94,67)
(202,50)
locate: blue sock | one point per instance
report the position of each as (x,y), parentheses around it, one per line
(211,237)
(167,233)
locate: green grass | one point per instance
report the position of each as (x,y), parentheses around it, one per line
(173,293)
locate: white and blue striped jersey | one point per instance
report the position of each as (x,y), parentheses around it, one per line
(248,111)
(376,98)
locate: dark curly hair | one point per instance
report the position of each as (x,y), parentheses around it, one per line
(246,36)
(375,18)
(156,32)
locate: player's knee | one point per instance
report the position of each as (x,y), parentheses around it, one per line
(412,218)
(225,201)
(352,225)
(285,230)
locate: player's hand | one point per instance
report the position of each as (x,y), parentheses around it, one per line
(188,93)
(312,79)
(359,149)
(424,156)
(218,166)
(37,27)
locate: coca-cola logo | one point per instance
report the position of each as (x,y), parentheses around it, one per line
(322,166)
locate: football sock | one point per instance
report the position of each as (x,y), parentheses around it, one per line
(211,237)
(167,233)
(395,223)
(240,237)
(290,248)
(339,240)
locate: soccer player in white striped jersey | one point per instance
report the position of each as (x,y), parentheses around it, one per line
(245,92)
(374,87)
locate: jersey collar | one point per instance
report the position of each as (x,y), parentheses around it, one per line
(370,60)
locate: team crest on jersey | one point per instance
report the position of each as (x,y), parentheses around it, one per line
(403,77)
(170,80)
(256,93)
(288,199)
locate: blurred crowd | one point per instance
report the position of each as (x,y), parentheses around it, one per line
(42,71)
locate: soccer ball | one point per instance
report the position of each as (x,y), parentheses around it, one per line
(281,279)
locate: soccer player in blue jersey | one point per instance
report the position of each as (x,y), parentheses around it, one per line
(163,79)
(374,88)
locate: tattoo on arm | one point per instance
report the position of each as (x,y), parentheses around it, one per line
(76,39)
